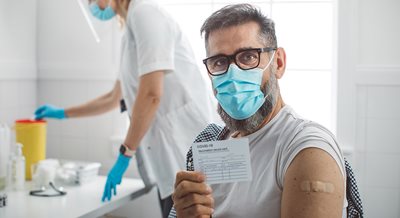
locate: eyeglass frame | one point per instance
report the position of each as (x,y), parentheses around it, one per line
(233,58)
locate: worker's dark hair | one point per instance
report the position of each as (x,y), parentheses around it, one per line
(237,14)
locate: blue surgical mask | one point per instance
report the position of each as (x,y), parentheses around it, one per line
(102,14)
(239,91)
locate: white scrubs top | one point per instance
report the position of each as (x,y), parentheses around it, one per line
(153,41)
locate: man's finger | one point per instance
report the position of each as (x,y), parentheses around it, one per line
(192,199)
(193,176)
(197,210)
(188,187)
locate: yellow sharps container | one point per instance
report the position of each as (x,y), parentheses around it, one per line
(32,135)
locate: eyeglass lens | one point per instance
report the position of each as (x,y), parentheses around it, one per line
(246,59)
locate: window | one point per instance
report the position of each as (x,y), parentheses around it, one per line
(305,29)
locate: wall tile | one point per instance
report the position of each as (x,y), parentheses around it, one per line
(54,127)
(27,93)
(97,88)
(74,127)
(383,102)
(101,125)
(361,135)
(26,111)
(9,94)
(49,92)
(74,92)
(382,135)
(9,115)
(74,148)
(382,170)
(362,101)
(381,202)
(53,146)
(99,150)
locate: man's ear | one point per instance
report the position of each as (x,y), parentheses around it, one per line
(280,56)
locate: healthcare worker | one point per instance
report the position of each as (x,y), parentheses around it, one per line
(162,88)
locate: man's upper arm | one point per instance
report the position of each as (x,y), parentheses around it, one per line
(313,186)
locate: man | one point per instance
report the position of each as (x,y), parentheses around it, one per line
(297,166)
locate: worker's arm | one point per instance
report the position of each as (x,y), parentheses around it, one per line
(313,186)
(98,105)
(146,104)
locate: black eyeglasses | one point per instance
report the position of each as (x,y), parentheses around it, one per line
(245,59)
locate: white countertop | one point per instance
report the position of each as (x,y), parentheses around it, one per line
(80,201)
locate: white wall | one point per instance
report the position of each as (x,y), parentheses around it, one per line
(17,60)
(368,99)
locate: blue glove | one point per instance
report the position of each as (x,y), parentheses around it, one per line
(50,112)
(115,176)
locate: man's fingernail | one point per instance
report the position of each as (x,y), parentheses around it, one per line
(209,188)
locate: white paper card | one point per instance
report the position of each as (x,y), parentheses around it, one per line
(223,161)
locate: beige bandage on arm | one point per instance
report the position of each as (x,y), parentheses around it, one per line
(317,186)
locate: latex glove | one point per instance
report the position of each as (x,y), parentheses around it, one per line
(49,111)
(115,176)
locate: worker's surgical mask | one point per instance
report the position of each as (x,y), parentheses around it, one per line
(102,14)
(239,91)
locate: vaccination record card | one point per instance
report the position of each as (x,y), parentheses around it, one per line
(223,161)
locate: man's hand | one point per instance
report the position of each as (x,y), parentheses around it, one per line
(192,196)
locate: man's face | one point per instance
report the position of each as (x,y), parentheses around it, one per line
(230,40)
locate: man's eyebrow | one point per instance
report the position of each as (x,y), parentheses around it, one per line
(236,51)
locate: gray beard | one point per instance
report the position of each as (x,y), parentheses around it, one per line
(252,123)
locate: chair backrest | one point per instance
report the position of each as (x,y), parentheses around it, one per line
(354,207)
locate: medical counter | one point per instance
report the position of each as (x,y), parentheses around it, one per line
(80,201)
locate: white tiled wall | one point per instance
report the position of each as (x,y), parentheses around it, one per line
(368,99)
(378,149)
(17,99)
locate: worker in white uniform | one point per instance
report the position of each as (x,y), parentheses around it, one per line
(162,88)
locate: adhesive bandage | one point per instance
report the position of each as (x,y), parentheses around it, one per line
(317,186)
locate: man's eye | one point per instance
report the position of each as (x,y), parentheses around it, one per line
(248,57)
(220,62)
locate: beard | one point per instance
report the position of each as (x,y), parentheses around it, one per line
(251,124)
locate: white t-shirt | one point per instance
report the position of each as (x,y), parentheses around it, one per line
(153,41)
(272,149)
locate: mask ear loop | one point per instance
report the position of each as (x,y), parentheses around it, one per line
(270,61)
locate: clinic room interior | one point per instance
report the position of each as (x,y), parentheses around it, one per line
(91,125)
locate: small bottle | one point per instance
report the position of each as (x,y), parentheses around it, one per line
(18,168)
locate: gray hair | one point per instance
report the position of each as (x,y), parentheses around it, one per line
(237,14)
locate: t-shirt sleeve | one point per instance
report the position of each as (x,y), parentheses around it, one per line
(154,34)
(310,137)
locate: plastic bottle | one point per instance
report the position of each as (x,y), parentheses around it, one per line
(18,169)
(5,135)
(4,154)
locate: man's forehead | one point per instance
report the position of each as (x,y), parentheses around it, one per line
(231,39)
